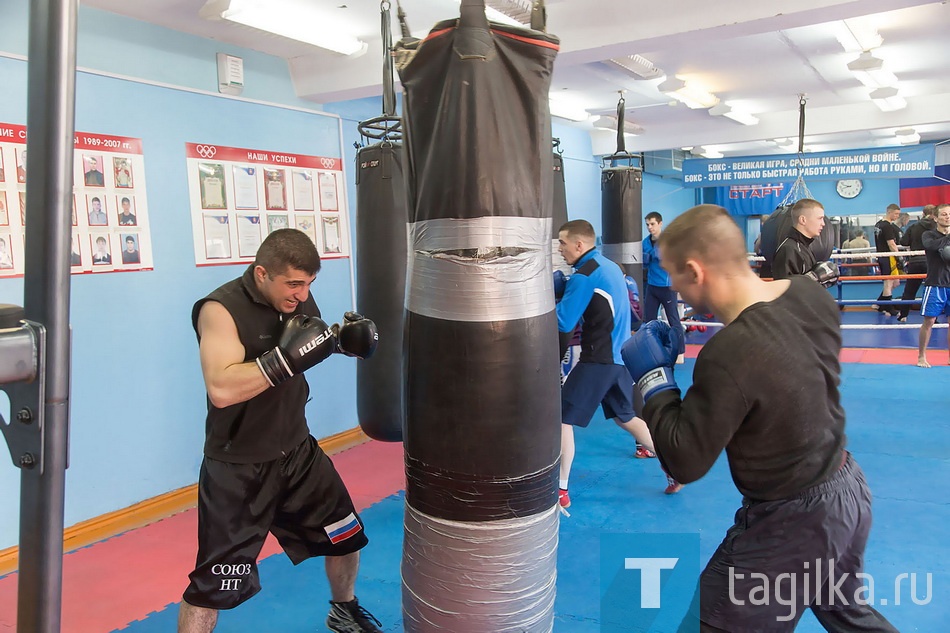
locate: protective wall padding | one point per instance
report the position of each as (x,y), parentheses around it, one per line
(509,589)
(482,377)
(776,228)
(381,262)
(621,207)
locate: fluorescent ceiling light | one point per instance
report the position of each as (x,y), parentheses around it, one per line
(721,109)
(510,12)
(907,136)
(610,123)
(887,99)
(292,19)
(870,71)
(638,66)
(694,98)
(570,111)
(783,142)
(856,37)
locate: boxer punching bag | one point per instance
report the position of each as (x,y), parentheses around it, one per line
(381,219)
(776,228)
(559,213)
(483,408)
(621,207)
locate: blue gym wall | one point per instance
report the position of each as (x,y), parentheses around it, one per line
(137,395)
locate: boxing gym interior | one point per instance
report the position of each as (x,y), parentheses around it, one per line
(177,134)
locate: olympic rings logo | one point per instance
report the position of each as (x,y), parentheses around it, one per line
(328,163)
(206,151)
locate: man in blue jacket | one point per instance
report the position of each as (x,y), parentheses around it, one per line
(596,293)
(658,291)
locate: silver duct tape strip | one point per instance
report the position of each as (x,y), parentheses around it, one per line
(480,269)
(625,253)
(497,576)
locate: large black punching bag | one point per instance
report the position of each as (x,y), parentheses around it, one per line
(559,210)
(776,228)
(621,207)
(483,408)
(381,219)
(381,260)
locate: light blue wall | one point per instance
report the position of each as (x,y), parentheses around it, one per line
(138,402)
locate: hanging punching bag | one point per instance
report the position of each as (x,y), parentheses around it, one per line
(559,213)
(621,208)
(776,228)
(483,408)
(381,219)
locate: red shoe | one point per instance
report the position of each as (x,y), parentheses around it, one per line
(563,498)
(672,486)
(644,453)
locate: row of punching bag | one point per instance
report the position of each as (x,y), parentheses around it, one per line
(454,237)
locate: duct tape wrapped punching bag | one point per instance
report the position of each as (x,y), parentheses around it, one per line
(381,219)
(483,407)
(621,191)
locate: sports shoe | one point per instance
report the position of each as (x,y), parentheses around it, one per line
(563,498)
(643,452)
(350,617)
(672,486)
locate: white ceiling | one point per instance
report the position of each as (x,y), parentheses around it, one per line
(758,56)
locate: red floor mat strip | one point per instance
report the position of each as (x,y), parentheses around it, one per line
(149,567)
(877,356)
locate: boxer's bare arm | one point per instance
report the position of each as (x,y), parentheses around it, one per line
(228,379)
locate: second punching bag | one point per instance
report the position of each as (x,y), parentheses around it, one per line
(621,190)
(483,408)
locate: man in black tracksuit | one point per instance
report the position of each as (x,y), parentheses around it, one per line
(765,390)
(916,264)
(793,255)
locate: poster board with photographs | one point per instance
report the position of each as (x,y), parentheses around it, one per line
(239,196)
(109,205)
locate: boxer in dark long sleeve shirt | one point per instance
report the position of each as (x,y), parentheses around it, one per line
(765,390)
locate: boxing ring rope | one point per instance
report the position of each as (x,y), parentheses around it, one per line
(850,326)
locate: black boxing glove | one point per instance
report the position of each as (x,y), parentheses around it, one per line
(305,341)
(357,336)
(825,273)
(945,253)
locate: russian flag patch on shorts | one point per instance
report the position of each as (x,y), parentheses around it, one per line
(343,529)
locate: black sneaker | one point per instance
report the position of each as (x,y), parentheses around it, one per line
(350,617)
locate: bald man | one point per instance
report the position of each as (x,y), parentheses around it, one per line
(765,390)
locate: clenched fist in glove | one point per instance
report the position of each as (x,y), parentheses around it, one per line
(825,273)
(650,355)
(305,341)
(357,336)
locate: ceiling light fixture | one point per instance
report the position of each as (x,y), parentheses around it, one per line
(856,37)
(693,97)
(887,99)
(870,71)
(293,19)
(721,109)
(638,66)
(569,111)
(705,152)
(510,12)
(783,142)
(610,123)
(907,136)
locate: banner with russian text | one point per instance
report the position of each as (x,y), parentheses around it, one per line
(109,204)
(887,162)
(239,196)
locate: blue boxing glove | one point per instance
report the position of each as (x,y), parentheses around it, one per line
(650,355)
(560,284)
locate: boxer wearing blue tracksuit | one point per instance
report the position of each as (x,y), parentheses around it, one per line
(658,291)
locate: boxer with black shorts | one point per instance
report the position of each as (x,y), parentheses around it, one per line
(262,470)
(765,390)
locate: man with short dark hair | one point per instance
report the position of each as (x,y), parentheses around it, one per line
(657,292)
(765,390)
(263,472)
(886,238)
(916,264)
(936,299)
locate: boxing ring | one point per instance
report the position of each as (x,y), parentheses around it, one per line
(861,326)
